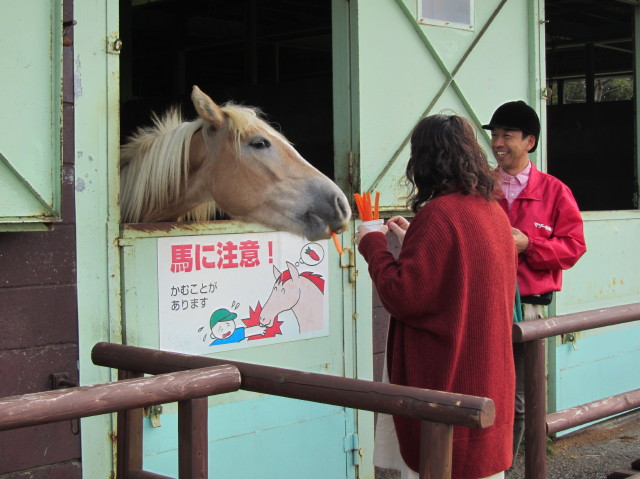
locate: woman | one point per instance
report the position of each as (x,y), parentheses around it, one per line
(450,293)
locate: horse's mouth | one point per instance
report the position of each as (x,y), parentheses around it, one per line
(316,228)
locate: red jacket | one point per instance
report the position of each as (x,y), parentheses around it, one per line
(548,214)
(450,295)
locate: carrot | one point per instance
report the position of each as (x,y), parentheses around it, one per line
(359,204)
(376,210)
(367,206)
(336,241)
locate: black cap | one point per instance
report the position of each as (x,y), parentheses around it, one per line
(519,116)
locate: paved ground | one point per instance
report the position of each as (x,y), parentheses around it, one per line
(592,453)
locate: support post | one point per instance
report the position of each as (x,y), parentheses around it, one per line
(535,437)
(129,444)
(192,439)
(436,450)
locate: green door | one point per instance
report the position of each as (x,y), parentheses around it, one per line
(406,65)
(125,295)
(30,88)
(407,70)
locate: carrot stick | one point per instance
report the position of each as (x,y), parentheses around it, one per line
(367,205)
(336,241)
(376,210)
(359,204)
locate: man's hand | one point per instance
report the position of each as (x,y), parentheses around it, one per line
(521,240)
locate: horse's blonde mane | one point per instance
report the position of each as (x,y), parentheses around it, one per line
(155,160)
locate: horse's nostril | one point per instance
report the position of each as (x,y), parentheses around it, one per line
(342,205)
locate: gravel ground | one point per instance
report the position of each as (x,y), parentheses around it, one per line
(592,453)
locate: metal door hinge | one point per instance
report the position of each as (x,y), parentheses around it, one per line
(348,261)
(351,160)
(352,445)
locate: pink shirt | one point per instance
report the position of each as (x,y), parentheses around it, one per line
(511,185)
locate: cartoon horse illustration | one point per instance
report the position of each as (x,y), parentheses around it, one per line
(302,293)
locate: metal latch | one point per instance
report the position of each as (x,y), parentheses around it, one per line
(154,414)
(570,338)
(348,261)
(61,381)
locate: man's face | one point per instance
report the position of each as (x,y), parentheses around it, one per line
(510,149)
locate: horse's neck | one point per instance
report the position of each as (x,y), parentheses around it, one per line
(309,306)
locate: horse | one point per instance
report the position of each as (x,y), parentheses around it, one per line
(231,160)
(302,293)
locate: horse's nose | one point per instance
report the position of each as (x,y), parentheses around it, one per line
(342,206)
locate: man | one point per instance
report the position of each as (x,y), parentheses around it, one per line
(545,219)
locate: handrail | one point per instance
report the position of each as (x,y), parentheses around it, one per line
(574,322)
(437,410)
(424,404)
(73,403)
(537,422)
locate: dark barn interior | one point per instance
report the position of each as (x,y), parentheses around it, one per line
(591,126)
(276,54)
(272,54)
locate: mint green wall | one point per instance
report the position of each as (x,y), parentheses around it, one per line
(387,73)
(97,214)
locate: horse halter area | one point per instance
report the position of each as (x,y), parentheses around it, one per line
(273,54)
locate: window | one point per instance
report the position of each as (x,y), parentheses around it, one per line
(446,13)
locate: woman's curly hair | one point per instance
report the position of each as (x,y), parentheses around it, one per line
(447,158)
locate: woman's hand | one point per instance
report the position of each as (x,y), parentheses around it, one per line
(363,230)
(398,225)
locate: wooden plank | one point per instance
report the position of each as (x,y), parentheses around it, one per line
(35,316)
(38,446)
(27,371)
(38,257)
(66,470)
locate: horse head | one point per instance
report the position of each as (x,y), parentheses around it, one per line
(232,157)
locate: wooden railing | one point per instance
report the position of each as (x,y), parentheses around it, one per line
(189,388)
(537,422)
(438,411)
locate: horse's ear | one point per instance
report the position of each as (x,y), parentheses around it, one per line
(206,108)
(276,272)
(293,271)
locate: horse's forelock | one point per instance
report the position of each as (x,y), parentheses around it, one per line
(244,120)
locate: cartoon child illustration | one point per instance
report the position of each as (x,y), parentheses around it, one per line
(226,329)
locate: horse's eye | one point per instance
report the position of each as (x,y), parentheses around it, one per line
(260,144)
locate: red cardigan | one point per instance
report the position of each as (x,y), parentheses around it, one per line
(450,295)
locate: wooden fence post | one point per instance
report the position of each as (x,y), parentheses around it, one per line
(129,444)
(535,418)
(436,449)
(192,439)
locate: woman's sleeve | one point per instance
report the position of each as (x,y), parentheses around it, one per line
(408,286)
